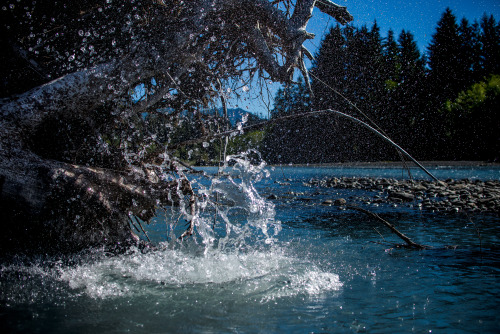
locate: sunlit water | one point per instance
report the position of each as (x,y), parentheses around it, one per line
(284,265)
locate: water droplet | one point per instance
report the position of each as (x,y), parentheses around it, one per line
(246,89)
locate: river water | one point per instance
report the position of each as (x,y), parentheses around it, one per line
(287,264)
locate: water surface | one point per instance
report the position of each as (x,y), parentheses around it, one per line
(284,265)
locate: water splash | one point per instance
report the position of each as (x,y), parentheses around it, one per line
(236,187)
(229,213)
(238,253)
(262,275)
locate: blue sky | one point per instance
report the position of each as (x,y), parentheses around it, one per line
(420,17)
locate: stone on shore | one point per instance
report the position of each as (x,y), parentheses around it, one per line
(406,197)
(450,196)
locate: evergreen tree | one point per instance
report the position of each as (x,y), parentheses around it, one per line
(469,55)
(444,60)
(390,60)
(409,93)
(293,99)
(391,69)
(329,67)
(443,84)
(359,74)
(376,83)
(490,40)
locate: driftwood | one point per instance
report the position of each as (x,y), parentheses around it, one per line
(66,200)
(408,242)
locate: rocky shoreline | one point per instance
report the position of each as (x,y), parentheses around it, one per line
(392,164)
(444,196)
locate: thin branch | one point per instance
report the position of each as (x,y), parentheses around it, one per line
(305,74)
(410,243)
(142,228)
(306,114)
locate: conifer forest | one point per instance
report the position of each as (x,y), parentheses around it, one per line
(441,103)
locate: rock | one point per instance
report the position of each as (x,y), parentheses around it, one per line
(485,200)
(407,197)
(340,202)
(452,196)
(282,183)
(272,196)
(419,187)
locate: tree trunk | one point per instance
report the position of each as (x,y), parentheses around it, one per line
(51,199)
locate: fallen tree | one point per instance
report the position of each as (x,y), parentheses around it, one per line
(77,157)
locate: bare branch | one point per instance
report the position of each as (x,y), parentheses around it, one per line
(338,12)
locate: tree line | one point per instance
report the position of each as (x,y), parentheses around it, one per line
(439,105)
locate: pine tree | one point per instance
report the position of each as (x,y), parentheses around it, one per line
(444,59)
(376,79)
(469,53)
(390,59)
(329,67)
(410,92)
(443,83)
(490,40)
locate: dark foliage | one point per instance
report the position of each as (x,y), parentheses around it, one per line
(416,99)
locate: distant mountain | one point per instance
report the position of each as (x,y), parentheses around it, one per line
(236,115)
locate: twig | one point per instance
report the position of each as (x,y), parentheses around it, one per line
(379,234)
(306,114)
(132,222)
(143,231)
(409,243)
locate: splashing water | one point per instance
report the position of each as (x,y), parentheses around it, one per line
(229,211)
(267,274)
(237,188)
(234,246)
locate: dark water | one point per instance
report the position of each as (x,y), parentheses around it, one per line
(284,265)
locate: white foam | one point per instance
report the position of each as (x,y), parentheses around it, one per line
(271,274)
